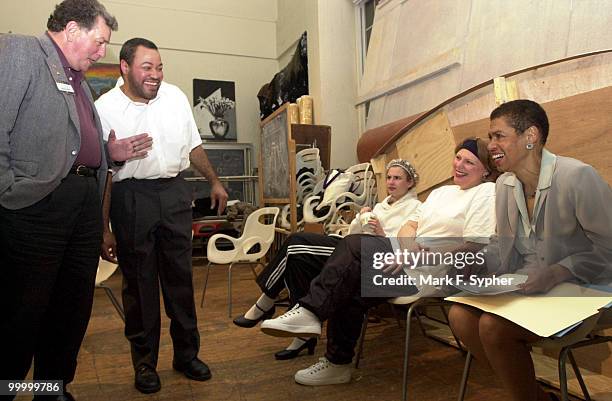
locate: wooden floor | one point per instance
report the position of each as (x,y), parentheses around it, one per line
(243,365)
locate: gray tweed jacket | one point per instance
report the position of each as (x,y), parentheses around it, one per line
(39,124)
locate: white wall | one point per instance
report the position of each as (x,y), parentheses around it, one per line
(332,69)
(231,40)
(338,74)
(245,41)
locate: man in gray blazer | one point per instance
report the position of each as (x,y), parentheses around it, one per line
(53,167)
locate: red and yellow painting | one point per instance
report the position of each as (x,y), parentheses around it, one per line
(102,77)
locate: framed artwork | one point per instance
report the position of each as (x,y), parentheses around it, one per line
(102,77)
(214,109)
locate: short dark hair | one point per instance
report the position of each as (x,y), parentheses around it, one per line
(522,114)
(129,48)
(83,12)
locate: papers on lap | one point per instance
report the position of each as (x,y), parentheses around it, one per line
(546,314)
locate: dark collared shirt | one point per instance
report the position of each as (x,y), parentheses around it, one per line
(89,153)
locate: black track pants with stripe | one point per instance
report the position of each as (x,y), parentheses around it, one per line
(297,263)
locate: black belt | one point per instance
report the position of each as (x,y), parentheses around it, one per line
(83,171)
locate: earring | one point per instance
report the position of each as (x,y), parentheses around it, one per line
(529,146)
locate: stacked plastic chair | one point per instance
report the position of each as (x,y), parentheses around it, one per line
(309,181)
(361,193)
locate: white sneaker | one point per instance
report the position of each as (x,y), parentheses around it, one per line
(324,372)
(296,322)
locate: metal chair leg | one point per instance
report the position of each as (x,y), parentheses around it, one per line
(445,313)
(566,353)
(113,300)
(563,374)
(411,309)
(205,284)
(364,326)
(229,290)
(466,374)
(583,386)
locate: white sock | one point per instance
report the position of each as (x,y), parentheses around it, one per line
(296,343)
(264,303)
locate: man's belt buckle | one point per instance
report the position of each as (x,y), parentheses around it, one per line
(83,171)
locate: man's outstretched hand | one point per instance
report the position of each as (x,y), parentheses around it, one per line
(128,148)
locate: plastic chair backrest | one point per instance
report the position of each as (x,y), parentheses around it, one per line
(253,225)
(308,158)
(257,232)
(364,180)
(105,270)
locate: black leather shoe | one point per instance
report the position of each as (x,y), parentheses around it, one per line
(248,323)
(290,354)
(194,370)
(146,380)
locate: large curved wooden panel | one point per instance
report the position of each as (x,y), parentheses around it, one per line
(576,93)
(371,141)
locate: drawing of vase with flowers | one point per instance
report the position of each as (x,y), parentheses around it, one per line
(217,106)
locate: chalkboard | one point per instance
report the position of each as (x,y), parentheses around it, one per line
(275,174)
(227,160)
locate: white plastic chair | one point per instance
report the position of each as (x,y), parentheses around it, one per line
(309,159)
(254,233)
(105,270)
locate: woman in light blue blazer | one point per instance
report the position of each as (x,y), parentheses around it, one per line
(554,224)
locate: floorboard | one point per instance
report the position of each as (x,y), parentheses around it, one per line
(243,365)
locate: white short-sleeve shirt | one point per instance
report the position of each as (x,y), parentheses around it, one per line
(167,118)
(452,212)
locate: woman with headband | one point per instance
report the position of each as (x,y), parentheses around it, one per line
(303,255)
(462,211)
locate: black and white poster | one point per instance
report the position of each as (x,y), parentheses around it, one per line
(214,109)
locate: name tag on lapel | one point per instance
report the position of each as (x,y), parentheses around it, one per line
(64,87)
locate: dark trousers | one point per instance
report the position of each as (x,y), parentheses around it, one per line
(48,259)
(151,220)
(299,260)
(335,295)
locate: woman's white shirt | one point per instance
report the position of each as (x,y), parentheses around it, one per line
(391,216)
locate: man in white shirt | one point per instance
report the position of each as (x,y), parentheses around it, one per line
(150,212)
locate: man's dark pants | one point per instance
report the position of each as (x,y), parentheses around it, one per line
(48,262)
(152,223)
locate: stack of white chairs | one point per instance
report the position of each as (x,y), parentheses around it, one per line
(361,193)
(309,181)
